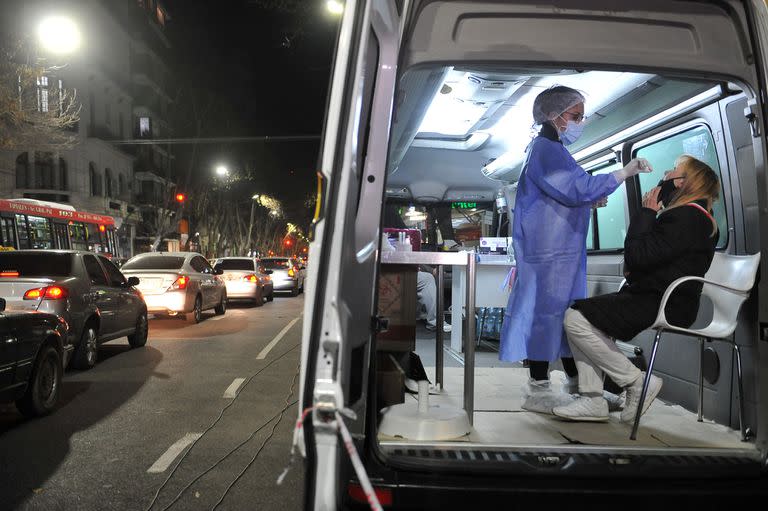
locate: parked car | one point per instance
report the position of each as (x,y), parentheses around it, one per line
(85,289)
(34,348)
(175,283)
(244,279)
(286,274)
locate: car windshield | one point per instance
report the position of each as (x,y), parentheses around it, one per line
(275,264)
(235,264)
(38,264)
(154,263)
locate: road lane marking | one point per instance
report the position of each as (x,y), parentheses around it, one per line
(277,338)
(231,391)
(164,461)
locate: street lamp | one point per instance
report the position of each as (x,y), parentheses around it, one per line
(59,35)
(334,7)
(222,171)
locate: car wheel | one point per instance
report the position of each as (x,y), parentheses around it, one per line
(139,337)
(87,350)
(271,296)
(197,313)
(258,298)
(295,290)
(44,387)
(221,308)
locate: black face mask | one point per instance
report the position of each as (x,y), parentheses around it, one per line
(667,191)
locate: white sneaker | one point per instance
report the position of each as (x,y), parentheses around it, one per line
(586,409)
(633,396)
(538,396)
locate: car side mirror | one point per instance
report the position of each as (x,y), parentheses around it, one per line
(133,281)
(218,271)
(2,304)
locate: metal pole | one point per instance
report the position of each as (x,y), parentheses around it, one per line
(250,224)
(440,334)
(701,379)
(469,341)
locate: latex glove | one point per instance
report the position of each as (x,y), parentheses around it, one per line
(635,166)
(600,203)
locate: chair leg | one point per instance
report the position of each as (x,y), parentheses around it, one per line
(701,378)
(745,433)
(639,412)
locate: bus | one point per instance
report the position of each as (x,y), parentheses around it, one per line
(30,223)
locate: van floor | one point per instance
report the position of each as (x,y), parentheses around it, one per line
(499,419)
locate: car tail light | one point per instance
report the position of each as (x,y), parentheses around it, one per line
(357,493)
(46,293)
(9,273)
(180,283)
(251,278)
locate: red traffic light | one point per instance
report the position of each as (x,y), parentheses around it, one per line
(287,243)
(180,197)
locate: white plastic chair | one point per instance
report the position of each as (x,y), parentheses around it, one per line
(727,284)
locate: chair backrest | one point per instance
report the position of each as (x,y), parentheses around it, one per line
(734,271)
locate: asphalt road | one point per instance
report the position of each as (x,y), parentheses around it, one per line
(123,427)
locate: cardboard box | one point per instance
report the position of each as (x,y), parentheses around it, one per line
(390,381)
(397,301)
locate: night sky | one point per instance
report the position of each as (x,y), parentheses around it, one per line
(254,67)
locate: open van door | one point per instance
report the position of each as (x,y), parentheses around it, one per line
(342,275)
(720,40)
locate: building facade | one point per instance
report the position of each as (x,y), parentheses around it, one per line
(122,80)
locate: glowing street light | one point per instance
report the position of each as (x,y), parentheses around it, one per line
(222,171)
(334,7)
(59,35)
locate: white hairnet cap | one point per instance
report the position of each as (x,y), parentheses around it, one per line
(554,101)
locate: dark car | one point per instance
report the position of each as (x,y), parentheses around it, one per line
(33,350)
(85,289)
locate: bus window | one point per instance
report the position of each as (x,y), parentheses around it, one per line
(40,230)
(696,142)
(7,237)
(60,235)
(95,239)
(21,225)
(78,235)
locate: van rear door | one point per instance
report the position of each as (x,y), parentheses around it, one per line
(724,39)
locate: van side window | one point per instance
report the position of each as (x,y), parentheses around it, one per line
(610,220)
(696,142)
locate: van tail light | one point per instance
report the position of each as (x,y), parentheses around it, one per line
(46,293)
(251,278)
(357,493)
(180,283)
(291,272)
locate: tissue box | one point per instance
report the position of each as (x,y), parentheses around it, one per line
(494,245)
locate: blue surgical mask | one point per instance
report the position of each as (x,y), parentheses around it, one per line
(572,132)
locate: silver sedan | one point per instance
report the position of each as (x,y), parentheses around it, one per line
(245,279)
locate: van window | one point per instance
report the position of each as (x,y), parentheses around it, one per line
(697,142)
(611,220)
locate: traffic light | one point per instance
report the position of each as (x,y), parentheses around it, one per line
(180,198)
(287,242)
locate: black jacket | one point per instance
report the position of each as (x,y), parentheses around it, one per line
(657,251)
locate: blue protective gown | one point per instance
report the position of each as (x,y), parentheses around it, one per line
(549,231)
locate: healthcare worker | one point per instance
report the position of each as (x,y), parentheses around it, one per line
(551,218)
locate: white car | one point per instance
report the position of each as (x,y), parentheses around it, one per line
(287,275)
(175,283)
(245,279)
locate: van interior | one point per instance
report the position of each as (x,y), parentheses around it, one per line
(457,147)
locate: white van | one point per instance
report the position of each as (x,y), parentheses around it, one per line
(431,105)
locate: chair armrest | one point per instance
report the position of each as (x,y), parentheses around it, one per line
(661,318)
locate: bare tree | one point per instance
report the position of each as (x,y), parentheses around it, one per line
(35,108)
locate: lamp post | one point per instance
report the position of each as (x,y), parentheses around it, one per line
(254,200)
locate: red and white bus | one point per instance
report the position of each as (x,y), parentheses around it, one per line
(30,223)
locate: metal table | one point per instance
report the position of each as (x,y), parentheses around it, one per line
(441,259)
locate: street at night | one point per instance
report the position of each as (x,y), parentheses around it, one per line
(123,427)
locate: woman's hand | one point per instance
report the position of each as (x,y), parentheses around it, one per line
(651,199)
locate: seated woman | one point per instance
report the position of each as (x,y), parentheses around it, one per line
(659,248)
